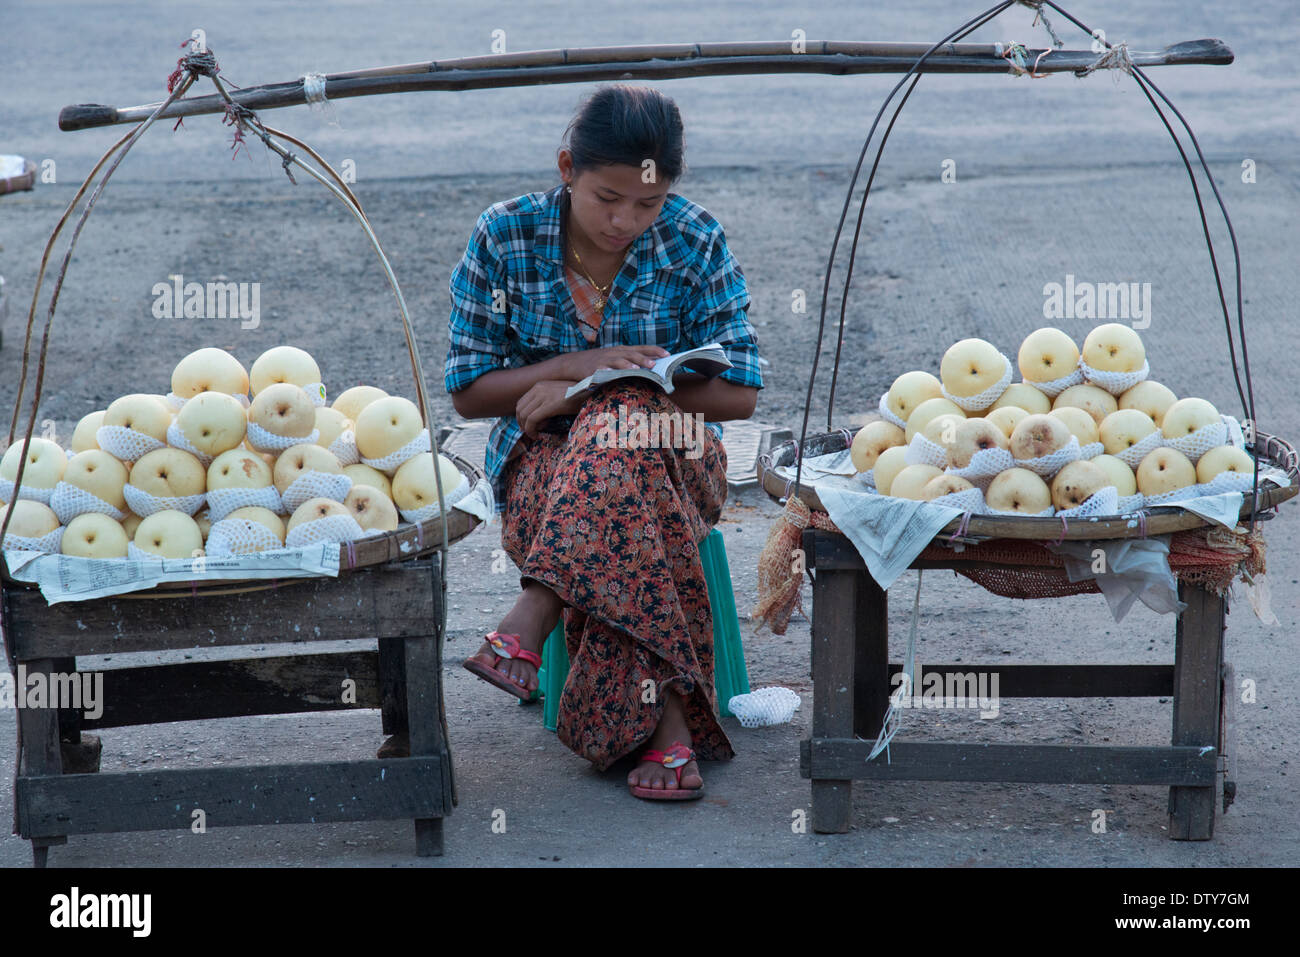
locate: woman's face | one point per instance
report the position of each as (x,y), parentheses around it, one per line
(611,205)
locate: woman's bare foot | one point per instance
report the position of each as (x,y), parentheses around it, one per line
(534,616)
(672,727)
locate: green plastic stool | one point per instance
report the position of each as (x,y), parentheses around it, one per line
(730,676)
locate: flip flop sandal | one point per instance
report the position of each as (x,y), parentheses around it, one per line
(676,757)
(504,647)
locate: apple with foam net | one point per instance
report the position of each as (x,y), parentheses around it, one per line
(94,535)
(970,367)
(1018,490)
(169,534)
(284,365)
(1046,355)
(209,370)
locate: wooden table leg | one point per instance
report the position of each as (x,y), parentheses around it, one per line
(41,752)
(1198,663)
(833,637)
(870,657)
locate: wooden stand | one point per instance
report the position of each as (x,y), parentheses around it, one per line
(398,603)
(851,682)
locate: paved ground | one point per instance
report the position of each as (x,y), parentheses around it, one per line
(1054,177)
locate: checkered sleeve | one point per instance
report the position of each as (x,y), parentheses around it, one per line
(715,312)
(477,333)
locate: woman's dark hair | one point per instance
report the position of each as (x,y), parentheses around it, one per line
(627,125)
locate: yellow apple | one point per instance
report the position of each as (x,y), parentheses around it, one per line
(972,436)
(1165,470)
(1046,355)
(1118,474)
(1098,403)
(313,509)
(365,475)
(371,508)
(169,473)
(1224,458)
(1114,347)
(942,429)
(1150,397)
(872,439)
(1021,395)
(169,534)
(1006,418)
(1039,435)
(944,485)
(971,366)
(415,484)
(909,390)
(97,472)
(911,481)
(1187,416)
(331,423)
(1076,483)
(31,519)
(889,463)
(83,436)
(209,370)
(386,425)
(284,410)
(351,401)
(1018,490)
(140,412)
(212,422)
(262,516)
(283,364)
(298,460)
(1124,429)
(130,524)
(94,535)
(928,410)
(46,463)
(1079,422)
(239,468)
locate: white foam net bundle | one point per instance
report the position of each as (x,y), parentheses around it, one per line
(316,392)
(143,503)
(223,501)
(968,500)
(266,441)
(921,451)
(1229,482)
(1048,465)
(426,512)
(331,528)
(390,462)
(241,536)
(42,495)
(1236,437)
(126,444)
(1129,503)
(1169,498)
(982,400)
(50,542)
(313,484)
(1116,383)
(69,501)
(984,466)
(345,448)
(1135,453)
(138,554)
(176,439)
(887,413)
(1091,450)
(764,706)
(1200,441)
(1045,513)
(1104,501)
(1054,387)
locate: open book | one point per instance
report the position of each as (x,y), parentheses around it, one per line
(708,360)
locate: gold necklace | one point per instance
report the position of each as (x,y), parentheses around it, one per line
(601,299)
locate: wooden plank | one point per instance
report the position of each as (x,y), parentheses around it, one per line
(1064,680)
(1198,666)
(424,715)
(392,685)
(232,797)
(871,670)
(381,601)
(225,689)
(834,605)
(838,759)
(38,729)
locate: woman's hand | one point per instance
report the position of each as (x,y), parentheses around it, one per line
(578,365)
(544,400)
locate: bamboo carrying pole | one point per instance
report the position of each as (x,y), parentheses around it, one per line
(659,62)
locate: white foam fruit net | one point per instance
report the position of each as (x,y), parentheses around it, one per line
(31,492)
(241,536)
(331,528)
(266,441)
(1135,453)
(176,438)
(1104,501)
(425,512)
(1177,495)
(1129,503)
(50,542)
(1200,441)
(764,706)
(1116,383)
(390,462)
(1048,465)
(69,501)
(1091,450)
(345,448)
(313,484)
(968,500)
(887,413)
(1045,513)
(1054,387)
(982,400)
(177,403)
(921,451)
(223,501)
(985,464)
(143,503)
(126,444)
(316,392)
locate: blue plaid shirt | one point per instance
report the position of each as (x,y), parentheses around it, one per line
(679,287)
